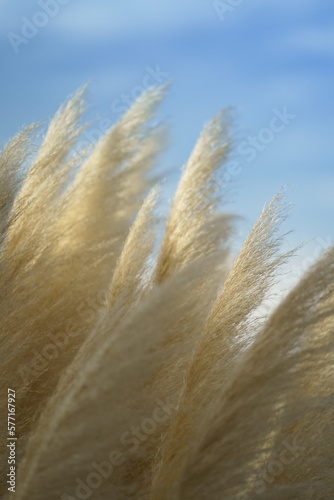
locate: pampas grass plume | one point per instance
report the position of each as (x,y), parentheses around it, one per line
(141,365)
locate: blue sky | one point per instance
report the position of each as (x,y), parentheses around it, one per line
(261,57)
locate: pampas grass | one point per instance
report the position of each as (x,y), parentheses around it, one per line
(144,373)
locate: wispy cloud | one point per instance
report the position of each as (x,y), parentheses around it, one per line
(313,40)
(102,19)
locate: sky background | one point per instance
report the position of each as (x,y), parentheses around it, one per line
(259,56)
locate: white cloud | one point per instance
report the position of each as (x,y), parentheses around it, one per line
(115,19)
(314,40)
(284,5)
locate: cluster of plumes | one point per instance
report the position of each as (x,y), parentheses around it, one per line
(147,374)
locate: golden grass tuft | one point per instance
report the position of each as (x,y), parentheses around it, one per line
(148,374)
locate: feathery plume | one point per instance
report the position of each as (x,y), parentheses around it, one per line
(55,283)
(270,433)
(194,228)
(227,331)
(144,374)
(123,397)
